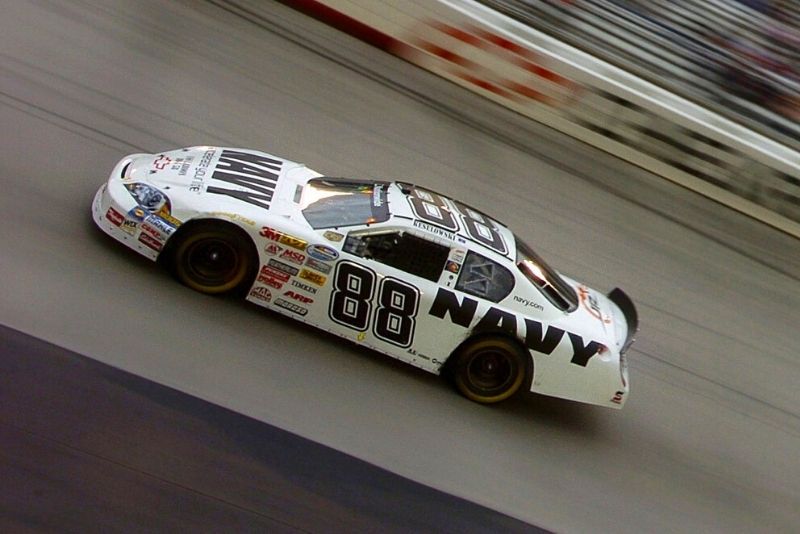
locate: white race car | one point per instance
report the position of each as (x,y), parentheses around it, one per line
(392,266)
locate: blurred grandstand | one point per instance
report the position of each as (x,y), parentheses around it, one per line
(740,58)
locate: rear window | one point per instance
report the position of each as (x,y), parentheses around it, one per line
(556,289)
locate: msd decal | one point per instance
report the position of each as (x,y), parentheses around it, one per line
(258,175)
(293,256)
(538,337)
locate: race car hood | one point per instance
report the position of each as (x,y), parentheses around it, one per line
(229,178)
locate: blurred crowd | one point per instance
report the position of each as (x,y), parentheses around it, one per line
(740,58)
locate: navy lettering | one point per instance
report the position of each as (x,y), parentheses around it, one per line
(581,354)
(447,301)
(546,343)
(257,173)
(495,318)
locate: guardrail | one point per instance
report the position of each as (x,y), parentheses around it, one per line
(548,81)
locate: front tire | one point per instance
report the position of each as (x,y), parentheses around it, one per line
(489,369)
(214,258)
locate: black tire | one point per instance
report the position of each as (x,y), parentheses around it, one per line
(489,369)
(213,257)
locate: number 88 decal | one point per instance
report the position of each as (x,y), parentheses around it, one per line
(351,304)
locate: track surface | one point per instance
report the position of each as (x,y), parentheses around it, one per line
(709,438)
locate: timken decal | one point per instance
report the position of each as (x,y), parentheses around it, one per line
(538,337)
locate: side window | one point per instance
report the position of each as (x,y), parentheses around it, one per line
(401,250)
(485,278)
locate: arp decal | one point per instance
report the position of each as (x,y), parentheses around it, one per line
(255,173)
(261,293)
(324,268)
(291,306)
(322,252)
(313,277)
(538,337)
(284,239)
(114,216)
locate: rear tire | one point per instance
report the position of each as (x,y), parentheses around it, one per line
(214,258)
(489,369)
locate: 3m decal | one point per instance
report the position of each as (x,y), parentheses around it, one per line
(114,216)
(150,241)
(351,304)
(305,287)
(538,337)
(317,265)
(261,293)
(313,277)
(255,173)
(284,239)
(322,252)
(283,267)
(291,306)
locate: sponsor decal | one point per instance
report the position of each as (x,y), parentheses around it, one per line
(452,267)
(298,297)
(283,267)
(538,336)
(270,281)
(169,219)
(162,162)
(322,252)
(254,177)
(618,397)
(305,287)
(435,230)
(233,217)
(152,232)
(150,241)
(160,224)
(317,265)
(196,185)
(284,239)
(261,293)
(114,216)
(313,277)
(333,236)
(591,305)
(526,302)
(291,306)
(293,256)
(272,249)
(275,273)
(137,214)
(128,226)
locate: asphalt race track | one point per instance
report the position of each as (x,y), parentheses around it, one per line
(709,439)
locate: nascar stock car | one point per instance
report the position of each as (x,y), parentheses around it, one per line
(395,267)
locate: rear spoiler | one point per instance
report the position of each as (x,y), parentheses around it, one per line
(625,304)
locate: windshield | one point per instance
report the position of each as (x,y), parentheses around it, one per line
(333,202)
(556,289)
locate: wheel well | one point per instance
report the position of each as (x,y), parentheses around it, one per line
(447,368)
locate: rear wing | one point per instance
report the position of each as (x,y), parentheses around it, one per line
(625,304)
